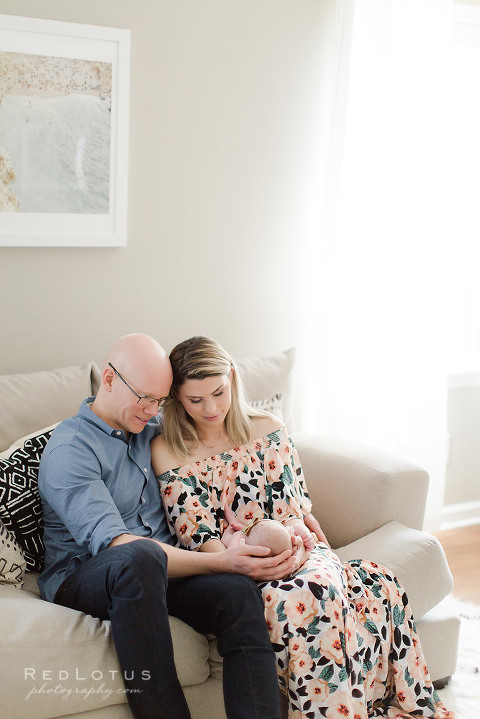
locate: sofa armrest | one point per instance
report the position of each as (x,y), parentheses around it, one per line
(356,489)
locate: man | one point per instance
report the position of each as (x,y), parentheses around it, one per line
(108,551)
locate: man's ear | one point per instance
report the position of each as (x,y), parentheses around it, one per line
(107,379)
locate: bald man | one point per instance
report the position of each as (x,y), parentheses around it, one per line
(108,551)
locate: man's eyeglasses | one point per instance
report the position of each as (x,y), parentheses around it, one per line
(143,400)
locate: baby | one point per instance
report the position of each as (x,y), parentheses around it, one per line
(270,533)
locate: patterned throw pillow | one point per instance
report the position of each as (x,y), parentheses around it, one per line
(20,506)
(12,561)
(272,405)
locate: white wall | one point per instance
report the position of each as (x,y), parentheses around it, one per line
(462,482)
(224,115)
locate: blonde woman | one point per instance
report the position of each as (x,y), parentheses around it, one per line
(343,634)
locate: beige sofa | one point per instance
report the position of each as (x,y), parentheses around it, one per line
(56,662)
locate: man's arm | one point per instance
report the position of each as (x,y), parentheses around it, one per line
(251,561)
(70,482)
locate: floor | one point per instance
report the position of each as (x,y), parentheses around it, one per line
(462,547)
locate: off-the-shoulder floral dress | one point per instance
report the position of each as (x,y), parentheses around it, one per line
(344,636)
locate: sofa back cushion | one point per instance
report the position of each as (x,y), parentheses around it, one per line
(270,378)
(29,402)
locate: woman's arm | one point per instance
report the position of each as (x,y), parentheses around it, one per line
(290,501)
(314,526)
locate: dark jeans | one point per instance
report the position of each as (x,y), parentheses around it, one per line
(128,585)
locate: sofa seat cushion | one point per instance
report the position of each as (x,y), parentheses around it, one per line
(439,631)
(44,645)
(415,557)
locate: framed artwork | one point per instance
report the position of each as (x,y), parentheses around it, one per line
(64,111)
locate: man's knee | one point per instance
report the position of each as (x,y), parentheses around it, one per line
(140,560)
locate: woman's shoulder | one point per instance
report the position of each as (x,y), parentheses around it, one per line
(267,424)
(163,458)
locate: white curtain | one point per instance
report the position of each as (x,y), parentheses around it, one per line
(383,282)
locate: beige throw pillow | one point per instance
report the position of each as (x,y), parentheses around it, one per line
(273,405)
(265,377)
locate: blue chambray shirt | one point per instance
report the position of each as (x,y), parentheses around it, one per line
(95,485)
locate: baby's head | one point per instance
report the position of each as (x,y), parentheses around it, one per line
(269,533)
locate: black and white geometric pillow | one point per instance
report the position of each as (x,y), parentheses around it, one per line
(12,561)
(20,505)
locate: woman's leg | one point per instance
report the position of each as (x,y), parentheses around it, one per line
(311,632)
(127,584)
(397,681)
(346,643)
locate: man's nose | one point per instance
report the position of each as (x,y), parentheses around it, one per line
(151,409)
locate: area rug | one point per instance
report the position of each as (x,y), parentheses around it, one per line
(462,694)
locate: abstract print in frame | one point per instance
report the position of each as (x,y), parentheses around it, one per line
(64,109)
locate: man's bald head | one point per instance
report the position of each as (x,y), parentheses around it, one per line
(136,365)
(139,356)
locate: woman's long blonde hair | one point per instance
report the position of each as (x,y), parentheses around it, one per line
(197,358)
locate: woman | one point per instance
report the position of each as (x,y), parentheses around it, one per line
(344,635)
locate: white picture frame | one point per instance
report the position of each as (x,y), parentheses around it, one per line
(49,49)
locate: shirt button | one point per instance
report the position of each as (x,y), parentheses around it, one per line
(118,434)
(143,500)
(145,470)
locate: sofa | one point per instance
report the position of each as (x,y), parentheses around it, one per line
(57,662)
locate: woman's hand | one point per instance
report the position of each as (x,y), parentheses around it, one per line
(234,527)
(233,522)
(315,527)
(300,553)
(308,539)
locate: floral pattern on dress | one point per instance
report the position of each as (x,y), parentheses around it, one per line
(344,636)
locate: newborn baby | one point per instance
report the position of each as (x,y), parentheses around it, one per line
(268,533)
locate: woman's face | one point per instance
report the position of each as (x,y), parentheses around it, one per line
(208,400)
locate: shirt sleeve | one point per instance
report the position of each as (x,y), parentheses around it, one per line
(72,485)
(284,482)
(190,512)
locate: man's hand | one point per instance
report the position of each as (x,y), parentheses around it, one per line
(269,568)
(254,562)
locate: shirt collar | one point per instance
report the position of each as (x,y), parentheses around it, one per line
(86,413)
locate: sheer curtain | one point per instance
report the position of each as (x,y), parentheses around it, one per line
(381,274)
